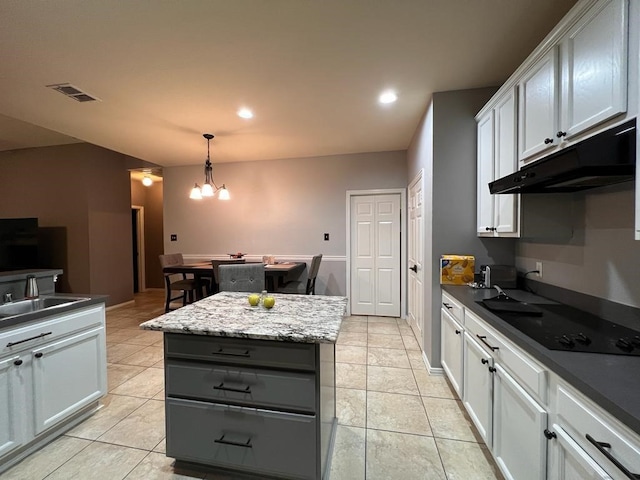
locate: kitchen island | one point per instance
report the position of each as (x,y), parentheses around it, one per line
(252,389)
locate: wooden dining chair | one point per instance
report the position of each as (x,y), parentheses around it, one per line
(241,278)
(176,282)
(299,286)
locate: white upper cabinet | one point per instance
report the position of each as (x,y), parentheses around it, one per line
(579,83)
(538,106)
(497,214)
(594,69)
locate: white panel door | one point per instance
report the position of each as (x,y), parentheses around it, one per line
(452,350)
(538,107)
(12,403)
(594,86)
(571,462)
(485,174)
(519,444)
(67,375)
(505,163)
(415,311)
(478,387)
(375,255)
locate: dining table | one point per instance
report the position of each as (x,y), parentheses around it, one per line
(274,275)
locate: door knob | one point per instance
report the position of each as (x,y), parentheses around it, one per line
(414,268)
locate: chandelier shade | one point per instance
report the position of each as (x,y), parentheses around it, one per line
(209,188)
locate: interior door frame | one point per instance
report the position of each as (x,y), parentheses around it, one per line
(142,286)
(403,241)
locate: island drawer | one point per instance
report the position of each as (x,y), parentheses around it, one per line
(279,444)
(241,385)
(241,351)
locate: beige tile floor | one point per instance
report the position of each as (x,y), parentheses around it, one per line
(395,421)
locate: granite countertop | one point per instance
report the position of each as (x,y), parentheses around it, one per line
(294,318)
(611,381)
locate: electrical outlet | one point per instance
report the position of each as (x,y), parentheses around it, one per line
(539,268)
(174,237)
(326,237)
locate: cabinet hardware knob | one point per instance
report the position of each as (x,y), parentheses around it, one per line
(18,362)
(38,355)
(601,448)
(458,332)
(414,268)
(492,369)
(561,134)
(549,434)
(547,141)
(484,361)
(488,229)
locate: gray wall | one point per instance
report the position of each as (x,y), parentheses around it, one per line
(277,207)
(445,146)
(83,189)
(602,259)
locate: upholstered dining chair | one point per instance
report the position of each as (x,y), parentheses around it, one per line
(298,286)
(176,282)
(215,284)
(241,278)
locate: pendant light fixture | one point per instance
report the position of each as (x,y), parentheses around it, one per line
(209,188)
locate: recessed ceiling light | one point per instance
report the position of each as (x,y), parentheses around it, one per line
(388,97)
(245,113)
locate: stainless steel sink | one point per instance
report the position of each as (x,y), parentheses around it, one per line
(21,307)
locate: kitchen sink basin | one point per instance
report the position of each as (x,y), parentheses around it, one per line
(21,307)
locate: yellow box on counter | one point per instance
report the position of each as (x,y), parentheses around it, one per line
(457,269)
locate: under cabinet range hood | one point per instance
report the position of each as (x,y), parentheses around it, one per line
(604,159)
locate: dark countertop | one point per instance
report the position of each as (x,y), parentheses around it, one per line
(24,318)
(611,381)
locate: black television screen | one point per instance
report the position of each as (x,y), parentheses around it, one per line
(18,243)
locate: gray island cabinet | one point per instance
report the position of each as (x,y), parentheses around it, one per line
(252,389)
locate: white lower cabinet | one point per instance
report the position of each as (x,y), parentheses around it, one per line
(452,350)
(49,370)
(12,400)
(568,461)
(519,444)
(67,375)
(478,387)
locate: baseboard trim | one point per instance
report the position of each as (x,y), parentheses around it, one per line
(124,304)
(430,369)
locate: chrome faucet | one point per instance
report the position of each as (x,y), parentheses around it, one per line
(31,289)
(7,298)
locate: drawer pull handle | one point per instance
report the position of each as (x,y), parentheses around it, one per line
(483,339)
(449,307)
(601,447)
(231,389)
(42,335)
(247,444)
(232,354)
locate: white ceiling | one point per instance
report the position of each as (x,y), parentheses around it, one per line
(168,71)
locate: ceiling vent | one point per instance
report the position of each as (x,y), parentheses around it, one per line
(73,92)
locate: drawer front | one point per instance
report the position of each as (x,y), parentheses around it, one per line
(241,385)
(280,444)
(580,419)
(241,351)
(44,330)
(454,307)
(529,373)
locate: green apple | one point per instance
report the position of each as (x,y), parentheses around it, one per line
(269,302)
(254,299)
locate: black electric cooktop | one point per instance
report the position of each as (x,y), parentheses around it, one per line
(561,327)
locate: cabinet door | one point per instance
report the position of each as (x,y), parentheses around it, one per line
(67,375)
(505,163)
(570,462)
(594,70)
(485,174)
(538,107)
(478,387)
(452,351)
(12,405)
(519,444)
